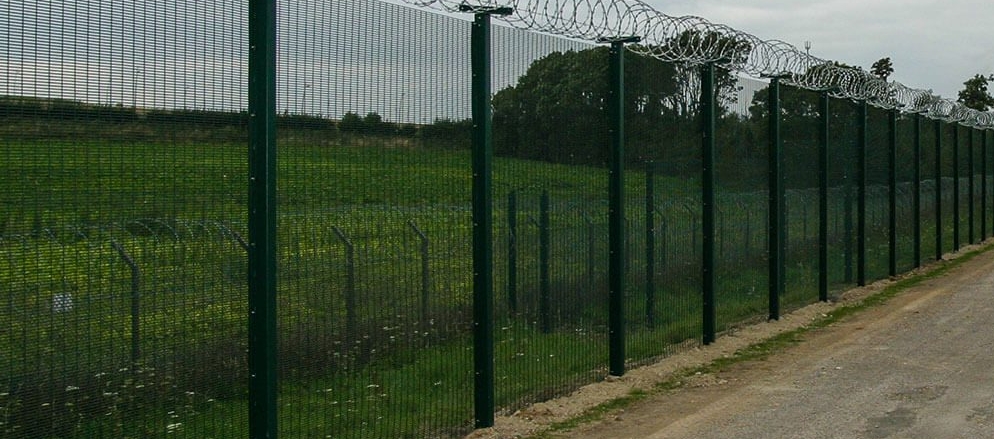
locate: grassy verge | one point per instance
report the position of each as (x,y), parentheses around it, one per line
(763,349)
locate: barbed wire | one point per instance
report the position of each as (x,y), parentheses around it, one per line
(695,40)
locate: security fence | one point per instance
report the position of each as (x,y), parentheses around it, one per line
(437,218)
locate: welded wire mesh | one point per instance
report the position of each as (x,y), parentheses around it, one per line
(123,132)
(123,209)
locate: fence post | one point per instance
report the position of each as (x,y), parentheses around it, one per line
(262,220)
(482,155)
(708,116)
(650,244)
(349,296)
(983,185)
(616,203)
(916,201)
(956,213)
(861,122)
(512,252)
(544,244)
(892,193)
(971,237)
(823,198)
(425,274)
(937,125)
(135,304)
(777,218)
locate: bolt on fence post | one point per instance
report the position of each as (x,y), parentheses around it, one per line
(970,191)
(135,304)
(262,274)
(650,244)
(425,274)
(544,247)
(708,116)
(616,201)
(917,190)
(777,205)
(938,189)
(512,252)
(956,213)
(482,155)
(350,281)
(861,122)
(823,197)
(892,193)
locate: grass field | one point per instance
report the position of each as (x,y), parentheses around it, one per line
(375,284)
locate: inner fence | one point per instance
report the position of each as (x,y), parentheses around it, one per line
(126,229)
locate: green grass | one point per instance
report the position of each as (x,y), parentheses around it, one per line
(179,208)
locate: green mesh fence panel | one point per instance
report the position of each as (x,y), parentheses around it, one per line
(662,207)
(123,265)
(842,181)
(741,257)
(801,143)
(374,228)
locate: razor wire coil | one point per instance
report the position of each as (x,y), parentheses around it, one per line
(695,40)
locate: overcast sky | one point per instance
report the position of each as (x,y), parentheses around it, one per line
(933,44)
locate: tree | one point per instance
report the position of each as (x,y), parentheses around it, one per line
(350,123)
(882,68)
(557,110)
(975,95)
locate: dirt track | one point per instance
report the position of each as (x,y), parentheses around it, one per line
(919,366)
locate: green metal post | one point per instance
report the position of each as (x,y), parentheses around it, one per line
(823,199)
(708,116)
(861,194)
(482,157)
(892,193)
(983,185)
(917,189)
(938,189)
(776,203)
(262,220)
(971,235)
(545,284)
(616,205)
(650,245)
(956,213)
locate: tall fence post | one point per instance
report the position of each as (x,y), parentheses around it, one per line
(917,192)
(823,197)
(892,193)
(983,185)
(861,122)
(350,282)
(512,252)
(708,116)
(777,217)
(937,125)
(650,244)
(616,203)
(482,156)
(424,248)
(135,304)
(262,220)
(971,235)
(956,206)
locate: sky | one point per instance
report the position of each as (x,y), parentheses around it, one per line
(933,44)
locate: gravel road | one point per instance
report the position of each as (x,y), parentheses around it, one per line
(919,366)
